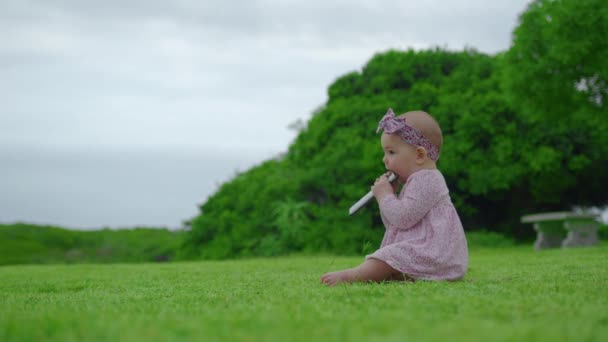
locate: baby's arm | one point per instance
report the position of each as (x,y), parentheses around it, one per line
(420,196)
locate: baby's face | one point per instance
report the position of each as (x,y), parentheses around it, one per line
(399,156)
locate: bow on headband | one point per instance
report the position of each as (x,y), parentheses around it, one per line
(392,125)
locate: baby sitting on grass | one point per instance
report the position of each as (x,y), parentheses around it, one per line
(424,238)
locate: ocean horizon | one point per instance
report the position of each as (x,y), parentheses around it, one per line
(95,188)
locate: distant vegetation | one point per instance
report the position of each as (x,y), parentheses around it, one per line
(33,244)
(26,244)
(524,131)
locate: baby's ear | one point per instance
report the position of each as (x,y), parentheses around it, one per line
(421,155)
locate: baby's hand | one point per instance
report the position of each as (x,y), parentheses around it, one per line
(382,187)
(396,183)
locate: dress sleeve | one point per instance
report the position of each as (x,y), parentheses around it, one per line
(421,193)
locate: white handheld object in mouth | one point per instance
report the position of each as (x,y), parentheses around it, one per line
(363,201)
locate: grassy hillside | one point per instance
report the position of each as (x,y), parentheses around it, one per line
(512,294)
(26,244)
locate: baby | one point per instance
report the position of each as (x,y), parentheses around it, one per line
(424,238)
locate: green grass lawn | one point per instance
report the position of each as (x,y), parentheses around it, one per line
(509,294)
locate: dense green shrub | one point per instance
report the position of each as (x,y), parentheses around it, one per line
(603,232)
(510,147)
(487,239)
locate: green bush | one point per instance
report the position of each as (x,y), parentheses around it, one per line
(487,239)
(603,232)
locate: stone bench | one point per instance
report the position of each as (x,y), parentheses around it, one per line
(565,229)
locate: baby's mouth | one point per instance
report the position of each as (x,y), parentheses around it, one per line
(399,178)
(395,176)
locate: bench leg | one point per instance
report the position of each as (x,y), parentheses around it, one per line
(581,234)
(546,240)
(548,235)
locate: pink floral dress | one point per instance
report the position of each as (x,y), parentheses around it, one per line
(424,238)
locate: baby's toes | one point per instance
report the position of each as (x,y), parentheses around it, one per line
(326,279)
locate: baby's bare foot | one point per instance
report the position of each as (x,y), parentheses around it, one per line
(333,278)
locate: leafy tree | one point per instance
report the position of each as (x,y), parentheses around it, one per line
(557,65)
(556,76)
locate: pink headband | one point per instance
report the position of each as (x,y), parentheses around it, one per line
(409,134)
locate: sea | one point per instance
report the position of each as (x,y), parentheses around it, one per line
(94,188)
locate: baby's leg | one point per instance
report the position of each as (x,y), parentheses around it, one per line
(370,270)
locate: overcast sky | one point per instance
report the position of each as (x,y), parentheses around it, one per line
(123,113)
(205,74)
